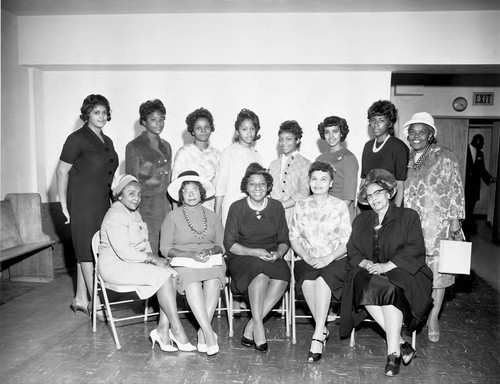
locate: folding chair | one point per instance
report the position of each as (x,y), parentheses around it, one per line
(101,285)
(294,315)
(284,310)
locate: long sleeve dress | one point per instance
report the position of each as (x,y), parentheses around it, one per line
(291,179)
(408,286)
(123,249)
(175,233)
(233,163)
(435,191)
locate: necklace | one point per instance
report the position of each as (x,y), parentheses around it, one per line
(417,164)
(197,234)
(375,149)
(257,210)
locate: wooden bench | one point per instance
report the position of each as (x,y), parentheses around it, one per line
(25,250)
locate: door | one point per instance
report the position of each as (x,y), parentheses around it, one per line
(452,134)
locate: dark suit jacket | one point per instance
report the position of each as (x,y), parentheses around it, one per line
(401,241)
(474,172)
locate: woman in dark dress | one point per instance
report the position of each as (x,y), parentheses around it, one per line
(84,174)
(385,151)
(387,273)
(149,158)
(256,239)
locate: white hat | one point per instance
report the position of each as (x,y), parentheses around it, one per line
(422,118)
(173,188)
(119,182)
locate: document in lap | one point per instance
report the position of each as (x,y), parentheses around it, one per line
(188,262)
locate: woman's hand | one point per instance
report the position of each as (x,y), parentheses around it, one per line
(379,268)
(263,254)
(455,230)
(156,260)
(66,214)
(202,256)
(321,262)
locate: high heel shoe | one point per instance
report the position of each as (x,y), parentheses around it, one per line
(200,346)
(186,347)
(432,333)
(407,353)
(155,338)
(262,347)
(78,306)
(213,349)
(99,313)
(247,342)
(327,335)
(315,356)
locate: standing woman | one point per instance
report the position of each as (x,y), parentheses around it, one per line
(199,156)
(434,189)
(84,174)
(334,131)
(319,233)
(385,151)
(149,158)
(289,170)
(234,161)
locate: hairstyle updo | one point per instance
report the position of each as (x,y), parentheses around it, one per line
(334,121)
(92,101)
(387,109)
(149,107)
(199,114)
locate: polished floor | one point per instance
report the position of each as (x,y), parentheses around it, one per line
(42,341)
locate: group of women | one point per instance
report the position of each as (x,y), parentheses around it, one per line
(385,264)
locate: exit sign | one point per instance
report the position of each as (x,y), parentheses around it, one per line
(483,98)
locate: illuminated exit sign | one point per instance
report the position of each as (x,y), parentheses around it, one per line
(483,98)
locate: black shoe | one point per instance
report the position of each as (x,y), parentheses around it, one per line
(247,342)
(407,353)
(393,365)
(313,356)
(262,347)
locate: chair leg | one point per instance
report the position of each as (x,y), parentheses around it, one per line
(292,307)
(230,312)
(414,339)
(146,305)
(219,308)
(94,303)
(286,301)
(353,341)
(110,317)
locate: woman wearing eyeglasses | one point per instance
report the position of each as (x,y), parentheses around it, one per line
(387,274)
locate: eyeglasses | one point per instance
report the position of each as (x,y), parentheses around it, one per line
(188,191)
(375,194)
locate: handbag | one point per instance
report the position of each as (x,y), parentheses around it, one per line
(455,256)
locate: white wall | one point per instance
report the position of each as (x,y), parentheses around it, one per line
(18,154)
(299,66)
(262,39)
(307,97)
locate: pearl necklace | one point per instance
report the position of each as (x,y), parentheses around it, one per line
(197,234)
(257,210)
(375,149)
(417,164)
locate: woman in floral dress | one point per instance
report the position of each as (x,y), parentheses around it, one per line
(434,189)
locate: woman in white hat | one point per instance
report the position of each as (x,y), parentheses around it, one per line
(195,233)
(434,189)
(125,257)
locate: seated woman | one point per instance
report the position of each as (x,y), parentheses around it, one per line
(125,257)
(387,274)
(319,232)
(192,231)
(256,239)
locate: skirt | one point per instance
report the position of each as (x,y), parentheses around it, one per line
(193,275)
(378,290)
(243,269)
(333,274)
(147,278)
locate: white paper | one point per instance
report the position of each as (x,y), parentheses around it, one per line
(188,262)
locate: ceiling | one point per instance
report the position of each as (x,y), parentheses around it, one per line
(86,7)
